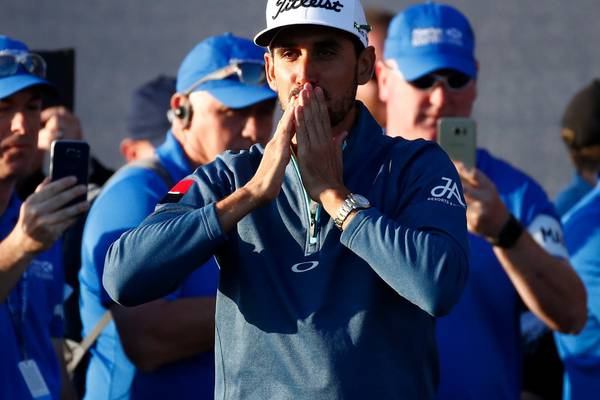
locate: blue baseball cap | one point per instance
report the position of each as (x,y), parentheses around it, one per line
(429,37)
(147,115)
(218,52)
(21,79)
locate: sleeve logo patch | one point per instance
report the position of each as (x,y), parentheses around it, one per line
(448,193)
(177,192)
(547,232)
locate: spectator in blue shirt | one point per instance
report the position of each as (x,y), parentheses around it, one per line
(31,271)
(517,256)
(581,353)
(581,134)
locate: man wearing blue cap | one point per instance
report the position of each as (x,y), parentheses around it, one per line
(164,349)
(517,253)
(147,122)
(336,251)
(31,270)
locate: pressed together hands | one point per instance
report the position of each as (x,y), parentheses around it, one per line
(304,128)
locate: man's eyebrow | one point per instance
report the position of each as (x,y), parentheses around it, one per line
(290,43)
(35,96)
(331,43)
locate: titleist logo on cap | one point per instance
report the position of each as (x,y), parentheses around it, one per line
(287,5)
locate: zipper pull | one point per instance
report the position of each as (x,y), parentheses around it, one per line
(313,221)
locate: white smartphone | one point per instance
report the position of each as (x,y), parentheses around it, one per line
(457,136)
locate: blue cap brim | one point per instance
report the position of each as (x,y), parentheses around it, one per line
(415,67)
(234,94)
(13,84)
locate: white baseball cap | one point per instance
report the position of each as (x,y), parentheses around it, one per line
(347,15)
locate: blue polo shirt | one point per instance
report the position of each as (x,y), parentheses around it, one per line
(581,353)
(125,201)
(570,195)
(479,342)
(41,289)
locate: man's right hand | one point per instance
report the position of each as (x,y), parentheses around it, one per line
(42,218)
(267,181)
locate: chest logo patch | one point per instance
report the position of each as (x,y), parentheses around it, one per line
(305,266)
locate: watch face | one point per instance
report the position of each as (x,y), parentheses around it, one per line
(361,201)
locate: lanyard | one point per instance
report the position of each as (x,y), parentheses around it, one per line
(17,309)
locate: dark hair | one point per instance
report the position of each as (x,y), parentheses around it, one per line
(377,17)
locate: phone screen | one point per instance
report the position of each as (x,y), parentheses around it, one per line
(70,158)
(457,136)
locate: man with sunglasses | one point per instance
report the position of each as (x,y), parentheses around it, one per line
(335,256)
(31,269)
(164,349)
(518,258)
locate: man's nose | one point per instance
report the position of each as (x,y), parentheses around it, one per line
(438,95)
(257,128)
(18,123)
(306,71)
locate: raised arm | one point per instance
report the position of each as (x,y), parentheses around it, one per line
(415,255)
(151,260)
(547,283)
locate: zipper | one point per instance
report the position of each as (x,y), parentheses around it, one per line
(313,210)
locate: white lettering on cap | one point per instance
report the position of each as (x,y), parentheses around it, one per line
(428,36)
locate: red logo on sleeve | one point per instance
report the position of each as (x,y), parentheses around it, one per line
(178,191)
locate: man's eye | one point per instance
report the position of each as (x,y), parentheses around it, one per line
(288,54)
(327,52)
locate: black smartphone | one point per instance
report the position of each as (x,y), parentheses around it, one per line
(70,158)
(457,136)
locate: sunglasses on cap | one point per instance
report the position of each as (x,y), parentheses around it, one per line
(251,72)
(453,80)
(10,60)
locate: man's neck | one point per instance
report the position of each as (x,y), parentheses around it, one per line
(591,177)
(347,123)
(6,191)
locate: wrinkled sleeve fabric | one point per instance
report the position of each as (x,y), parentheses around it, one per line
(419,249)
(150,261)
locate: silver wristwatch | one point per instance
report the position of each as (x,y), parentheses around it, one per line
(353,202)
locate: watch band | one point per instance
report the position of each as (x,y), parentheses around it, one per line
(351,203)
(509,234)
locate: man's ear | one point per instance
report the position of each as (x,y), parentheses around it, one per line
(270,70)
(127,149)
(383,76)
(177,100)
(366,65)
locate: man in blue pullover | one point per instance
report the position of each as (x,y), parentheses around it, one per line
(338,246)
(518,257)
(163,349)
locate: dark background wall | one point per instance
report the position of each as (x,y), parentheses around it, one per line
(534,55)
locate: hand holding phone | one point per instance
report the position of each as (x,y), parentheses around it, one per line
(70,158)
(457,136)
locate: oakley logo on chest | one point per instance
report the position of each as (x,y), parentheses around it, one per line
(287,5)
(305,266)
(447,192)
